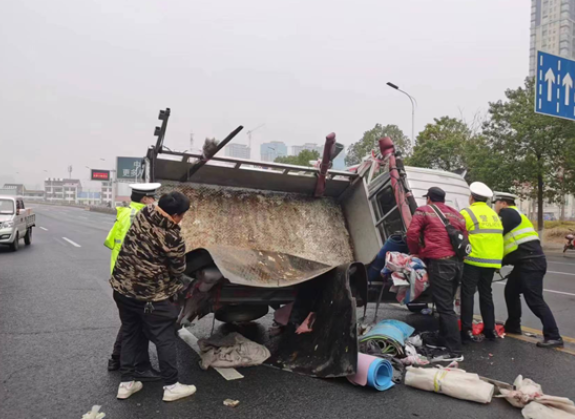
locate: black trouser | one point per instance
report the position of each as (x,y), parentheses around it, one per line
(159,325)
(444,278)
(527,278)
(142,357)
(476,278)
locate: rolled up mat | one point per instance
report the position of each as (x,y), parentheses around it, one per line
(373,372)
(451,382)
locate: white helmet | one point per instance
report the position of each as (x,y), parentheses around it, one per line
(481,189)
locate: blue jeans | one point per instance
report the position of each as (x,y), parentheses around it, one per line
(395,243)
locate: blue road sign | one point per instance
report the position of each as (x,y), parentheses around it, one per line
(554,94)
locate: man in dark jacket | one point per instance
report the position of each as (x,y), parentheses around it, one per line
(428,239)
(522,249)
(146,278)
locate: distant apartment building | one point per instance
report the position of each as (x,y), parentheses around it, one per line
(63,190)
(240,151)
(296,149)
(272,150)
(552,29)
(106,193)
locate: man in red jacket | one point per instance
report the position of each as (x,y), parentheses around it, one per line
(428,239)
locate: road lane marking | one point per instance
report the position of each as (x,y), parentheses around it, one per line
(560,273)
(71,242)
(553,291)
(539,333)
(559,292)
(192,341)
(42,228)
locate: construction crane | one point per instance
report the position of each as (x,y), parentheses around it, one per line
(250,136)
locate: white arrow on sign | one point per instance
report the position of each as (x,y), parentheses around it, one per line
(550,79)
(568,83)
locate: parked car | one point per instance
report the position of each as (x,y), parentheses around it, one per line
(16,222)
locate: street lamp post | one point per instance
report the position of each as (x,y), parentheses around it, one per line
(413,101)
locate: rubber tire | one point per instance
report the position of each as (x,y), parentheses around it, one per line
(28,237)
(16,245)
(417,307)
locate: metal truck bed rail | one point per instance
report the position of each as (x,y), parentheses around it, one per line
(240,173)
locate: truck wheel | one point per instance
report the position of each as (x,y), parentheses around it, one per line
(16,245)
(28,237)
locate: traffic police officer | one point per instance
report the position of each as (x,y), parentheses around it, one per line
(142,194)
(522,249)
(485,235)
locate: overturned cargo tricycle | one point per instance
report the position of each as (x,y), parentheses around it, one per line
(264,234)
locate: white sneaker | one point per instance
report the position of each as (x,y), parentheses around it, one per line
(125,390)
(178,391)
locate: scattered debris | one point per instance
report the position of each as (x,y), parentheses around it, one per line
(307,324)
(374,372)
(452,382)
(94,413)
(526,394)
(387,338)
(231,403)
(233,350)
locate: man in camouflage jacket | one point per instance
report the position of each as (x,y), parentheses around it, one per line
(146,277)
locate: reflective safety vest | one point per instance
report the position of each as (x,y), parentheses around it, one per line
(485,235)
(523,233)
(124,220)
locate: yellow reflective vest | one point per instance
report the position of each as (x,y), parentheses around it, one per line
(523,233)
(485,235)
(124,218)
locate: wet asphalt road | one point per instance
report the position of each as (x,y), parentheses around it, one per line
(58,323)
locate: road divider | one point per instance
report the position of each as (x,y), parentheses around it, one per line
(71,242)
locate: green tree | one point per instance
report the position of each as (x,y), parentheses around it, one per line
(302,159)
(441,145)
(538,149)
(369,142)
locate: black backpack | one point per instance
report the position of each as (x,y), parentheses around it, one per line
(459,242)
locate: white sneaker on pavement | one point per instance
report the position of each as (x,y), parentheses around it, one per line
(178,391)
(126,389)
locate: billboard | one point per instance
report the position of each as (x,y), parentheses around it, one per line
(102,175)
(129,168)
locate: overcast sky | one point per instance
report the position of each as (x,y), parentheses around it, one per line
(84,80)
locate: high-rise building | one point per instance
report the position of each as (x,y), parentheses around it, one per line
(552,29)
(296,149)
(241,151)
(272,150)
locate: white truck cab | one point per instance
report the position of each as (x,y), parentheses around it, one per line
(16,222)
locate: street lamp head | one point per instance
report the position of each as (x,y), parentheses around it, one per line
(394,86)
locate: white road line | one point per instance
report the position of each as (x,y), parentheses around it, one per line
(559,292)
(551,291)
(71,242)
(42,228)
(560,273)
(192,341)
